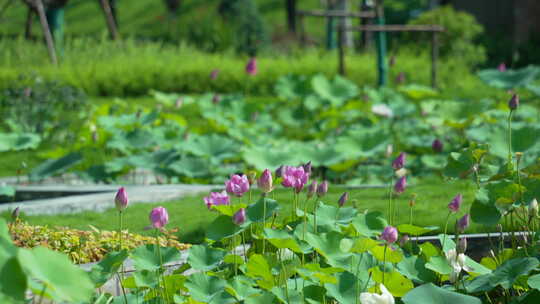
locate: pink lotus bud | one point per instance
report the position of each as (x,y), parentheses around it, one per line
(312,189)
(159,217)
(400,78)
(462,245)
(514,102)
(239,217)
(237,185)
(463,223)
(294,177)
(265,181)
(390,234)
(217,198)
(15,213)
(437,146)
(121,199)
(502,67)
(455,203)
(403,240)
(322,189)
(216,99)
(251,67)
(343,199)
(307,167)
(400,185)
(399,162)
(279,171)
(214,74)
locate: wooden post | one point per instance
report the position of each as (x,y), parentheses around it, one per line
(434,56)
(28,25)
(46,31)
(341,49)
(109,18)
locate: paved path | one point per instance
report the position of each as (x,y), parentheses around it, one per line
(98,197)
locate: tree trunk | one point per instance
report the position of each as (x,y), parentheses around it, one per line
(291,15)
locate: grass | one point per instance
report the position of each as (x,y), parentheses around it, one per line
(191,216)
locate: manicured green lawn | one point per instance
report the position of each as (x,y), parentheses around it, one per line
(191,216)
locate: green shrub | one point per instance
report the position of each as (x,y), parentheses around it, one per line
(461,31)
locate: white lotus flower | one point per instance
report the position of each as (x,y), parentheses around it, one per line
(457,262)
(382,110)
(375,298)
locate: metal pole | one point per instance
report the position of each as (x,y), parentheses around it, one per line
(46,31)
(434,57)
(381,47)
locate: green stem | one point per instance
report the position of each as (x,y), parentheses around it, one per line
(264,225)
(161,266)
(315,205)
(384,262)
(410,215)
(390,192)
(510,136)
(446,229)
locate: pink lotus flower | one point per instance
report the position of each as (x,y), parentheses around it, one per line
(237,185)
(399,162)
(265,181)
(251,67)
(463,223)
(390,234)
(322,189)
(502,67)
(217,198)
(455,203)
(159,217)
(239,217)
(295,177)
(121,199)
(312,189)
(400,185)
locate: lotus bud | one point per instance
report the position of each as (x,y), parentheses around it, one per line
(463,223)
(403,240)
(533,208)
(400,78)
(312,189)
(279,171)
(389,234)
(178,103)
(399,162)
(502,67)
(121,199)
(455,204)
(401,172)
(216,99)
(322,189)
(294,177)
(343,199)
(437,146)
(265,181)
(237,185)
(15,213)
(513,104)
(251,67)
(307,167)
(462,245)
(400,185)
(239,217)
(412,201)
(159,217)
(252,176)
(389,150)
(214,74)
